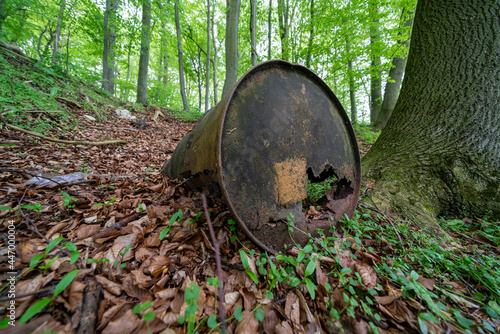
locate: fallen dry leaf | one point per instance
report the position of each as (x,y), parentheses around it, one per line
(368,275)
(248,324)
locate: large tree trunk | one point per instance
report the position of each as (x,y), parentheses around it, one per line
(207,74)
(58,31)
(253,19)
(375,71)
(352,88)
(395,77)
(181,61)
(439,154)
(232,18)
(142,78)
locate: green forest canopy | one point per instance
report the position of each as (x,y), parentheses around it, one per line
(324,35)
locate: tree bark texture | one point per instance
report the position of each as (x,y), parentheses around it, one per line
(375,71)
(232,18)
(58,31)
(181,60)
(216,84)
(393,84)
(284,24)
(439,154)
(253,26)
(108,81)
(352,90)
(269,30)
(311,37)
(207,73)
(142,79)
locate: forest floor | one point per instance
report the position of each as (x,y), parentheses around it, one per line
(114,247)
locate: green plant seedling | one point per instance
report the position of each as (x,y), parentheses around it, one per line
(147,317)
(37,258)
(122,254)
(75,254)
(40,305)
(191,296)
(105,204)
(37,207)
(244,261)
(97,261)
(164,232)
(67,200)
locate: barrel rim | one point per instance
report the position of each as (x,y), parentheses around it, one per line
(311,75)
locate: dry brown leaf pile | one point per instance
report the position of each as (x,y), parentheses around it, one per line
(137,204)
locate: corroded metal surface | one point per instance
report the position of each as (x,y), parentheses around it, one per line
(279,124)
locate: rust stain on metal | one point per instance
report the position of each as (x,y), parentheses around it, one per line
(291,181)
(279,125)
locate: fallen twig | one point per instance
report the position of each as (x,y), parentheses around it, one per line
(27,294)
(218,263)
(92,296)
(383,214)
(69,142)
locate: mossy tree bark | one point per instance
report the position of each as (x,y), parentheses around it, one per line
(439,154)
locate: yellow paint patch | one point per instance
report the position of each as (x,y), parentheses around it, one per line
(291,181)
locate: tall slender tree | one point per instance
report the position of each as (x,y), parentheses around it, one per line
(215,82)
(108,82)
(352,88)
(311,35)
(269,29)
(142,79)
(395,75)
(284,19)
(207,74)
(232,18)
(180,57)
(57,36)
(375,70)
(253,28)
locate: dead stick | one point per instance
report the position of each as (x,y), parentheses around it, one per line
(69,142)
(218,263)
(92,296)
(383,214)
(4,299)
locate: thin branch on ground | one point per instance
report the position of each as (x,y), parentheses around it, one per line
(27,294)
(68,142)
(218,263)
(383,214)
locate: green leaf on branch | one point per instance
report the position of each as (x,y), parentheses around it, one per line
(34,309)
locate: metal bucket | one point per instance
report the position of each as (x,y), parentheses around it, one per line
(279,126)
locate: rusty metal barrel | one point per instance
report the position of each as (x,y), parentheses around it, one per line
(279,127)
